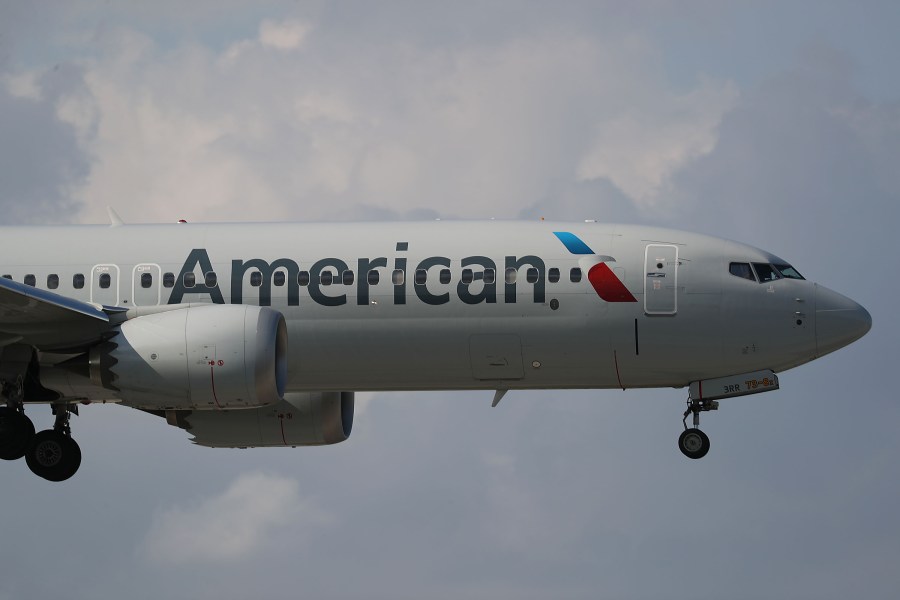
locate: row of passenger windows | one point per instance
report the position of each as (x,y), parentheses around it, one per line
(763,272)
(77,280)
(279,278)
(398,277)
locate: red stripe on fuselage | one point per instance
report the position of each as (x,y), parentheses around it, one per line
(607,285)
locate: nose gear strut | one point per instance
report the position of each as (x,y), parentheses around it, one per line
(692,442)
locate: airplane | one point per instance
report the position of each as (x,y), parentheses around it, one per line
(249,335)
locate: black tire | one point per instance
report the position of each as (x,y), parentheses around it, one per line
(16,433)
(53,456)
(693,443)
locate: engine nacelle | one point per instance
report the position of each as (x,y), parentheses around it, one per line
(212,356)
(301,419)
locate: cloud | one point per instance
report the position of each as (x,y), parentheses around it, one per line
(803,151)
(41,161)
(334,127)
(233,525)
(284,35)
(642,148)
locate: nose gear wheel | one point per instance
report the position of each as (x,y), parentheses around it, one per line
(692,442)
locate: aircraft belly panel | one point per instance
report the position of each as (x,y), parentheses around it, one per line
(496,356)
(384,353)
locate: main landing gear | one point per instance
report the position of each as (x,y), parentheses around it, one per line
(692,442)
(52,453)
(16,429)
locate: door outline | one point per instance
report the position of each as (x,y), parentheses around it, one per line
(661,296)
(154,291)
(97,292)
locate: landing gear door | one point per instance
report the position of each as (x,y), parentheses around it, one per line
(661,279)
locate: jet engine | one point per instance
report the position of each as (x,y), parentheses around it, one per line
(301,419)
(211,356)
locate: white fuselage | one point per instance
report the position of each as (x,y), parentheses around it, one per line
(688,317)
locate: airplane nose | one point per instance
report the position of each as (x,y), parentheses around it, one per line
(839,320)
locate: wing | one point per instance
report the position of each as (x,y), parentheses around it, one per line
(49,321)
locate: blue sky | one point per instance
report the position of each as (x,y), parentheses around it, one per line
(776,124)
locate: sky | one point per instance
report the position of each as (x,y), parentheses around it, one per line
(772,123)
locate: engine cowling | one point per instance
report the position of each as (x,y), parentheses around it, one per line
(301,419)
(212,356)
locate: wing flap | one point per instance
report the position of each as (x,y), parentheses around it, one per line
(48,320)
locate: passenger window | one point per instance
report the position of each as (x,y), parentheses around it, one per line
(189,280)
(398,277)
(575,275)
(210,279)
(531,275)
(467,276)
(78,281)
(256,279)
(326,277)
(765,272)
(553,275)
(372,277)
(52,281)
(421,276)
(30,280)
(347,277)
(489,276)
(444,276)
(303,278)
(169,280)
(278,278)
(741,270)
(511,275)
(7,277)
(105,281)
(146,280)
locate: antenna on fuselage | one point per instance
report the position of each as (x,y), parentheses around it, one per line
(114,219)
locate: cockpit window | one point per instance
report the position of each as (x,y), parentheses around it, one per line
(766,272)
(788,272)
(741,270)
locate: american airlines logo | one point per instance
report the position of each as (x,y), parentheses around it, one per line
(607,285)
(325,278)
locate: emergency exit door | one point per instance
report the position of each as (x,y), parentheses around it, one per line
(145,285)
(105,285)
(661,280)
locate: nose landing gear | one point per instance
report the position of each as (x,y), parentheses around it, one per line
(692,442)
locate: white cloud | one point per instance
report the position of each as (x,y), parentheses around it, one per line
(476,131)
(640,150)
(284,35)
(232,525)
(22,85)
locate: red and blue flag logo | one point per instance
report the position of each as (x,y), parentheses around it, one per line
(604,281)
